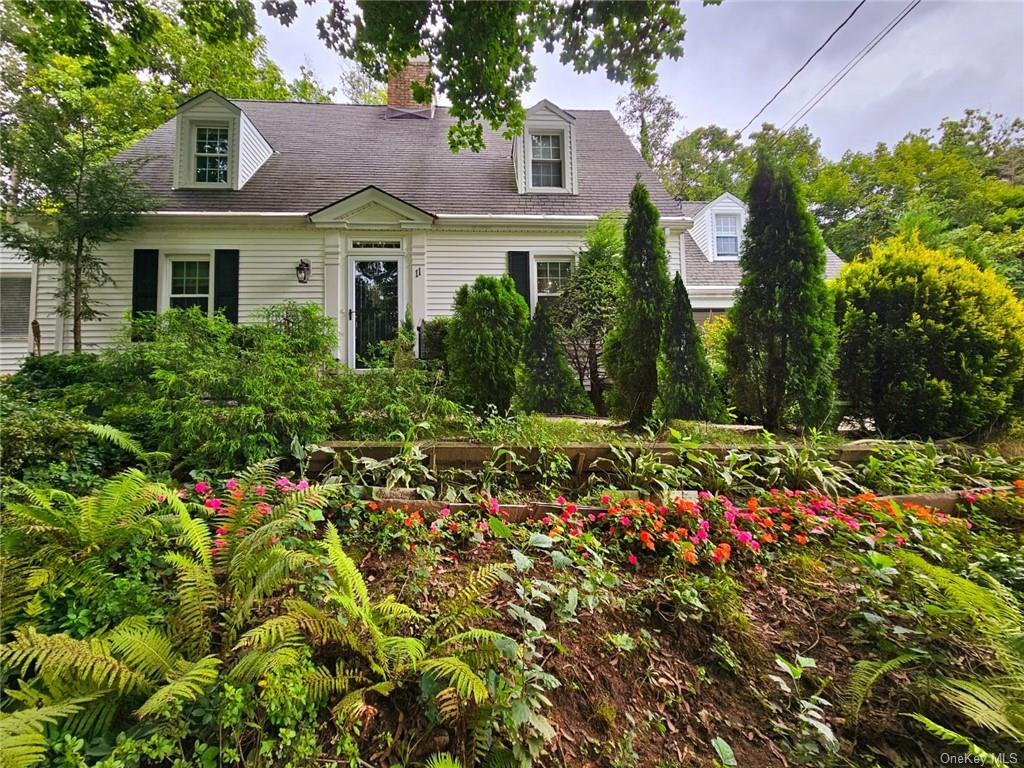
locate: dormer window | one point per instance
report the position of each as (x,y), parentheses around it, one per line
(546,159)
(212,154)
(727,236)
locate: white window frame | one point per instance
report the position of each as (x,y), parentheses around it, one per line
(534,261)
(165,279)
(564,136)
(739,235)
(193,168)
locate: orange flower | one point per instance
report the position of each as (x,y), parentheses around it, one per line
(690,556)
(800,539)
(646,539)
(373,505)
(752,505)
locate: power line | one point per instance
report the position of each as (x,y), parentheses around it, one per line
(845,70)
(802,66)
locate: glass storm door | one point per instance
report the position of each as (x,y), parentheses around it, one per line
(375,308)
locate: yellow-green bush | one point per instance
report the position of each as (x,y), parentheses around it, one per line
(930,344)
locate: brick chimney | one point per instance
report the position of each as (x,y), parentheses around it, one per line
(400,99)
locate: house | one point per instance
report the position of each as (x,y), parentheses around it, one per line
(365,210)
(711,253)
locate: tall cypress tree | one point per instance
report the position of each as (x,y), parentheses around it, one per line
(686,389)
(781,350)
(546,382)
(631,354)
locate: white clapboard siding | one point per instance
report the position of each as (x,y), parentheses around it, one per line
(267,259)
(15,304)
(456,258)
(699,231)
(253,150)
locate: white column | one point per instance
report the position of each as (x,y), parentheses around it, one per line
(333,286)
(418,254)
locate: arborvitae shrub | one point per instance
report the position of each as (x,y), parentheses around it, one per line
(546,382)
(432,338)
(686,389)
(631,354)
(484,340)
(929,344)
(780,351)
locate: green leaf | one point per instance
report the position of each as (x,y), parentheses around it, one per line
(724,752)
(540,540)
(559,559)
(498,528)
(523,563)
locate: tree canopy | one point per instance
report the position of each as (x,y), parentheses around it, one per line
(480,52)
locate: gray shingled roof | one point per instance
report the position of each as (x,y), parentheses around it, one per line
(702,271)
(325,152)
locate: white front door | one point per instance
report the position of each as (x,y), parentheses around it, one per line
(376,306)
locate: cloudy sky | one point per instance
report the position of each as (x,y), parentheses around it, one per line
(943,58)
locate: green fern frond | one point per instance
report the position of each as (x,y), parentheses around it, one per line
(403,650)
(62,656)
(125,442)
(195,534)
(346,574)
(255,665)
(275,631)
(986,706)
(260,473)
(198,597)
(457,613)
(23,733)
(459,674)
(146,649)
(952,737)
(389,612)
(993,609)
(188,683)
(864,676)
(443,760)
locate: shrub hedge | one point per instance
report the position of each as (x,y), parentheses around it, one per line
(930,345)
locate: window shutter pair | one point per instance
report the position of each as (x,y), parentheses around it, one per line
(519,270)
(145,286)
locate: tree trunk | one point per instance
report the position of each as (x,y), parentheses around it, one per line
(596,390)
(76,287)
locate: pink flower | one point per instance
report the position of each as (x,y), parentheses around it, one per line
(263,508)
(570,509)
(592,517)
(202,487)
(303,485)
(231,484)
(444,512)
(213,504)
(625,521)
(560,500)
(221,531)
(260,490)
(606,499)
(631,559)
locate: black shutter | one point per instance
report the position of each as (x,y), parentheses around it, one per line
(519,269)
(225,283)
(144,280)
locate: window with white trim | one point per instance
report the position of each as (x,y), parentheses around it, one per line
(727,236)
(190,283)
(15,295)
(546,160)
(552,277)
(212,154)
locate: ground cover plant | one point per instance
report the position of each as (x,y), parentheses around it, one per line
(266,620)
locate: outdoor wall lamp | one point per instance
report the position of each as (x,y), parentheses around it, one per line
(303,271)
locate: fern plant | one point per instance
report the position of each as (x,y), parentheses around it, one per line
(991,700)
(372,658)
